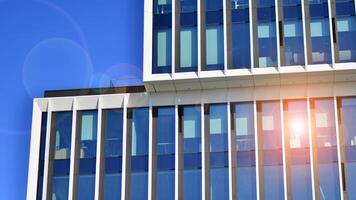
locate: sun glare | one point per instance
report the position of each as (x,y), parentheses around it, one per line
(298,126)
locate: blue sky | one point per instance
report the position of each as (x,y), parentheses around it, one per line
(61,44)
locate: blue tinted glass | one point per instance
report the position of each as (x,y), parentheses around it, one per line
(346,28)
(320,31)
(62,131)
(139,186)
(297,127)
(218,127)
(243,126)
(293,33)
(139,131)
(327,150)
(113,151)
(272,148)
(348,116)
(192,129)
(266,29)
(187,6)
(240,34)
(212,5)
(86,187)
(165,185)
(192,184)
(162,6)
(112,185)
(42,155)
(219,188)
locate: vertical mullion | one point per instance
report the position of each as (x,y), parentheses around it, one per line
(205,152)
(100,153)
(74,154)
(279,32)
(258,186)
(126,154)
(152,160)
(260,158)
(201,36)
(227,35)
(333,32)
(231,151)
(178,153)
(49,156)
(253,34)
(306,33)
(313,148)
(286,151)
(175,35)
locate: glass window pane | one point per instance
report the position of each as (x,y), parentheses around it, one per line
(320,31)
(297,126)
(270,119)
(62,130)
(243,125)
(348,116)
(266,29)
(165,185)
(346,29)
(112,185)
(139,186)
(86,187)
(293,33)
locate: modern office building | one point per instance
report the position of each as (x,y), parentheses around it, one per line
(242,99)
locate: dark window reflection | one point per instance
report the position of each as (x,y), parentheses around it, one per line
(42,155)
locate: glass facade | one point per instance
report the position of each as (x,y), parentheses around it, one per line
(190,126)
(240,18)
(243,126)
(42,155)
(293,32)
(162,36)
(138,130)
(218,140)
(113,130)
(62,131)
(87,121)
(214,35)
(188,36)
(164,127)
(346,30)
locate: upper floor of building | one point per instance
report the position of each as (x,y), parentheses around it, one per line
(209,44)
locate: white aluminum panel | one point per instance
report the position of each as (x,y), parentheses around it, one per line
(294,91)
(87,102)
(74,160)
(112,101)
(206,84)
(147,37)
(262,80)
(100,158)
(137,100)
(339,148)
(288,79)
(345,89)
(240,94)
(42,104)
(214,96)
(320,90)
(164,87)
(61,104)
(188,97)
(267,93)
(162,99)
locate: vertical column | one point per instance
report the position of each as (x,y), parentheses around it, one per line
(280,32)
(148,39)
(257,153)
(74,155)
(306,32)
(201,36)
(205,152)
(286,152)
(313,149)
(333,32)
(259,149)
(100,154)
(232,151)
(227,35)
(178,152)
(152,151)
(126,152)
(340,148)
(253,34)
(175,35)
(49,156)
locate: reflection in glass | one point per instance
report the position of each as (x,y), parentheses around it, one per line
(190,120)
(243,124)
(320,31)
(348,125)
(296,118)
(293,32)
(267,41)
(346,29)
(62,130)
(42,156)
(162,36)
(324,125)
(88,121)
(270,120)
(240,34)
(219,181)
(164,117)
(113,153)
(138,129)
(214,35)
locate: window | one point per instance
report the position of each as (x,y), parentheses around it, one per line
(138,131)
(62,132)
(293,33)
(218,139)
(164,127)
(87,122)
(190,125)
(162,36)
(243,128)
(320,31)
(266,32)
(214,35)
(240,34)
(42,155)
(112,124)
